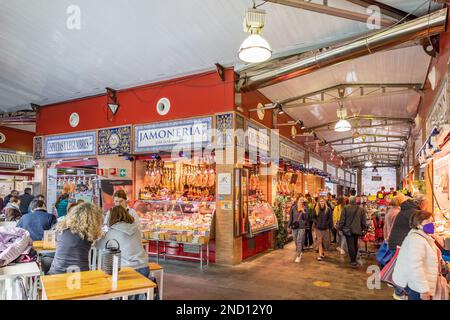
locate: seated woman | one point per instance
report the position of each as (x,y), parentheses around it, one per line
(123,229)
(81,227)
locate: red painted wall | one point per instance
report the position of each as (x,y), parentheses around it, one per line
(16,139)
(192,96)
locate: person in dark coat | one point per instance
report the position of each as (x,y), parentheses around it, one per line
(37,221)
(323,222)
(401,227)
(25,200)
(353,224)
(298,219)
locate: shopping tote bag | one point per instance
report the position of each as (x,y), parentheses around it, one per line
(388,270)
(384,255)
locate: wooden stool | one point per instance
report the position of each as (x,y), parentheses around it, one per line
(154,267)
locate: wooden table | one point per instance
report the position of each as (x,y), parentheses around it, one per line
(39,247)
(30,271)
(93,285)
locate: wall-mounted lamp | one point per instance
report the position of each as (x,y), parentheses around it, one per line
(113,105)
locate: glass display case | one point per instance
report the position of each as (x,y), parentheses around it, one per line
(261,218)
(180,221)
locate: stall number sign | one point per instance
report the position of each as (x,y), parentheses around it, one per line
(258,139)
(11,159)
(83,144)
(290,153)
(164,136)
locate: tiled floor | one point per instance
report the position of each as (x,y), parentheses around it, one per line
(273,275)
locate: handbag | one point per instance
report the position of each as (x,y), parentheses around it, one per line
(296,224)
(388,270)
(384,255)
(441,289)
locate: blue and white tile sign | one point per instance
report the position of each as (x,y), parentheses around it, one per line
(71,145)
(165,136)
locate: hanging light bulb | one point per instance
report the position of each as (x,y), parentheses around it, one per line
(254,48)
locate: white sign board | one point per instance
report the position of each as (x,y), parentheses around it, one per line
(315,163)
(258,138)
(167,135)
(224,183)
(331,170)
(71,145)
(287,152)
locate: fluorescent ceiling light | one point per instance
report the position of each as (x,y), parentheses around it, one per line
(342,126)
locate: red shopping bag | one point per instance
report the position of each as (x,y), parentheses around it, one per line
(388,270)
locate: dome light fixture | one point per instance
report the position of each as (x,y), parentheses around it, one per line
(254,48)
(368,164)
(342,125)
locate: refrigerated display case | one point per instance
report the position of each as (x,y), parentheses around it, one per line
(180,221)
(261,218)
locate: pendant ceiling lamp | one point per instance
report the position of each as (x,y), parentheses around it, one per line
(342,125)
(368,164)
(255,48)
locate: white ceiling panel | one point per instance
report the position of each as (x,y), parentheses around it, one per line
(122,44)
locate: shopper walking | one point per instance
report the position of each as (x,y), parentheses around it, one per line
(61,205)
(353,224)
(401,226)
(75,236)
(391,214)
(37,221)
(323,222)
(25,200)
(297,223)
(340,239)
(419,260)
(309,239)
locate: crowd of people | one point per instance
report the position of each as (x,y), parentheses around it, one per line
(318,222)
(81,226)
(406,232)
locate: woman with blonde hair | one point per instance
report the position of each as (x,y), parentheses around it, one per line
(323,222)
(81,227)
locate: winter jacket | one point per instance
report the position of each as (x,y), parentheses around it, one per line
(71,251)
(337,211)
(128,235)
(25,201)
(323,220)
(401,226)
(295,215)
(13,243)
(417,263)
(389,220)
(36,223)
(353,218)
(62,208)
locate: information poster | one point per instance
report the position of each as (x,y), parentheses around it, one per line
(110,186)
(224,183)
